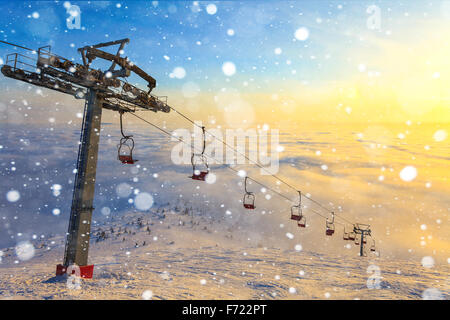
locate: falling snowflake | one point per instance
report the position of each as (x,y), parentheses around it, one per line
(13,196)
(147,295)
(427,262)
(432,294)
(302,34)
(143,201)
(242,173)
(408,173)
(105,211)
(440,135)
(210,178)
(211,9)
(56,189)
(229,68)
(178,73)
(25,250)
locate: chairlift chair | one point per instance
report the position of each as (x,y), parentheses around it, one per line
(297,214)
(345,235)
(126,146)
(296,211)
(249,201)
(125,151)
(351,236)
(199,160)
(249,198)
(372,247)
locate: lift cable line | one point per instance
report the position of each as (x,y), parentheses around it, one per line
(256,163)
(16,45)
(228,166)
(103,89)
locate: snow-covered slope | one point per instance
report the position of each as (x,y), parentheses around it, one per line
(168,254)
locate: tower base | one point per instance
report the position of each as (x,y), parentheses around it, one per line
(86,272)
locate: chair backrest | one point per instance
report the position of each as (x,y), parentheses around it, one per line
(249,198)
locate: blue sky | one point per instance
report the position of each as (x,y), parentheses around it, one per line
(198,41)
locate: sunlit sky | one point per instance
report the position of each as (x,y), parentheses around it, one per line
(342,70)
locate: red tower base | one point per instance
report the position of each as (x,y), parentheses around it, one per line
(85,271)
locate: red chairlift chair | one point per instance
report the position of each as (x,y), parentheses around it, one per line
(346,235)
(302,222)
(249,201)
(351,236)
(128,157)
(330,226)
(297,214)
(296,211)
(372,247)
(249,198)
(197,174)
(200,160)
(126,146)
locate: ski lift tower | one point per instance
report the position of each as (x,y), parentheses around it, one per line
(100,89)
(363,230)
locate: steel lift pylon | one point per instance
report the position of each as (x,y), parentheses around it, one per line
(100,89)
(363,230)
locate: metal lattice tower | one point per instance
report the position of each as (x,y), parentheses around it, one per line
(101,89)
